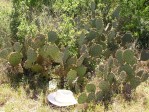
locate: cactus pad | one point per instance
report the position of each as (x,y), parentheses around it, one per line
(119,56)
(82,98)
(134,82)
(37,68)
(27,64)
(104,86)
(81,39)
(111,77)
(54,52)
(128,56)
(99,25)
(71,76)
(127,38)
(71,61)
(81,70)
(91,35)
(15,58)
(110,62)
(4,53)
(93,6)
(116,12)
(80,60)
(144,55)
(52,36)
(39,41)
(99,96)
(17,47)
(91,97)
(111,35)
(90,88)
(95,50)
(128,69)
(122,76)
(31,55)
(66,54)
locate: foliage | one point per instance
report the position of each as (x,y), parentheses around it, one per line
(88,39)
(135,18)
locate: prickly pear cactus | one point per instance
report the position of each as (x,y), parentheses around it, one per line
(99,96)
(104,86)
(52,37)
(80,60)
(128,56)
(71,76)
(122,76)
(54,52)
(99,25)
(71,62)
(31,55)
(81,39)
(119,56)
(17,47)
(15,58)
(128,69)
(116,12)
(144,55)
(28,64)
(90,88)
(91,97)
(95,50)
(81,70)
(127,38)
(111,77)
(134,82)
(4,53)
(110,62)
(37,68)
(39,41)
(91,35)
(111,35)
(82,98)
(66,55)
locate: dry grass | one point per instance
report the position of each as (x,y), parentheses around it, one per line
(12,100)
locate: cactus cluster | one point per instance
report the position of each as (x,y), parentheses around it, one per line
(118,71)
(45,55)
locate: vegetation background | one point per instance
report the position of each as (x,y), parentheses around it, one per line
(99,49)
